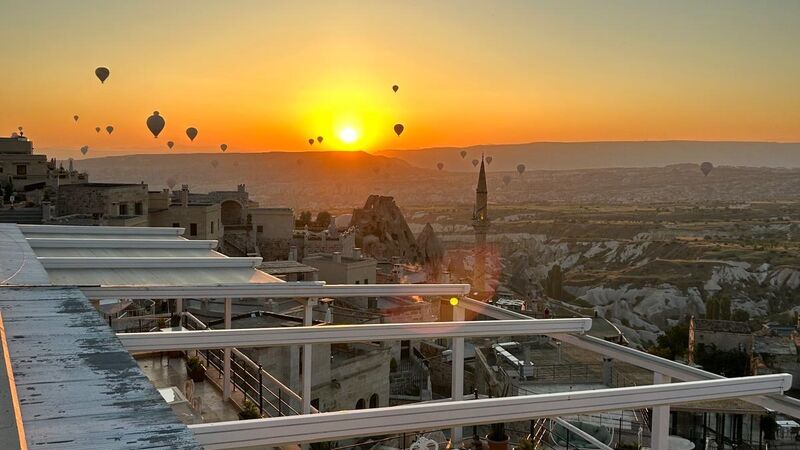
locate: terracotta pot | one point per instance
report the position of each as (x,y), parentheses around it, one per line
(497,445)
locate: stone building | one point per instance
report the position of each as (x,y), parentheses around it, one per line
(19,167)
(336,268)
(326,241)
(201,220)
(725,335)
(106,203)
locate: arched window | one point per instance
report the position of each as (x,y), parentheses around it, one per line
(373,401)
(361,404)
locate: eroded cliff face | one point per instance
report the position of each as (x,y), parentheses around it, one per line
(382,232)
(431,250)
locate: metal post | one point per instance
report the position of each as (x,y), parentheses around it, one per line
(261,391)
(307,321)
(659,438)
(226,364)
(457,387)
(280,402)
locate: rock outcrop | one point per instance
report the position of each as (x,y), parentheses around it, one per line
(431,251)
(382,231)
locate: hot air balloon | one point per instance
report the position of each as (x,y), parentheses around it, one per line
(155,123)
(75,118)
(102,73)
(85,149)
(97,129)
(440,166)
(223,147)
(520,168)
(215,163)
(489,160)
(192,133)
(398,129)
(319,139)
(463,154)
(311,141)
(507,179)
(706,168)
(395,88)
(20,129)
(475,163)
(171,182)
(109,129)
(170,144)
(299,162)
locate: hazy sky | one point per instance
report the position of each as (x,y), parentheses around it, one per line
(262,75)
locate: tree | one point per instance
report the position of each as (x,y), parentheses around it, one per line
(730,363)
(304,219)
(323,219)
(673,343)
(553,283)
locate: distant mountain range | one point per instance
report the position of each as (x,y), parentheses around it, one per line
(595,155)
(343,180)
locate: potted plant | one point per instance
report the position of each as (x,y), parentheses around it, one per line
(195,369)
(249,411)
(497,438)
(526,444)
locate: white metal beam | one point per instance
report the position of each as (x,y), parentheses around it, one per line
(73,229)
(133,262)
(430,416)
(782,403)
(44,242)
(266,337)
(300,289)
(457,376)
(659,437)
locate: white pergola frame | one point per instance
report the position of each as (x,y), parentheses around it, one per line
(436,415)
(308,292)
(333,334)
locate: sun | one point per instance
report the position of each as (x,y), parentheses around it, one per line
(348,135)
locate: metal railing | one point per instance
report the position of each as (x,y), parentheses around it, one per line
(272,397)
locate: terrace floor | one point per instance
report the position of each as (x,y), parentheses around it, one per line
(170,371)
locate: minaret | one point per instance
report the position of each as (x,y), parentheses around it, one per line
(480,222)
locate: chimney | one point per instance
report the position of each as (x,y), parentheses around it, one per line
(445,275)
(337,257)
(47,212)
(292,253)
(71,169)
(185,195)
(357,253)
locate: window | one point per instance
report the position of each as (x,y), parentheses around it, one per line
(366,280)
(373,401)
(22,170)
(176,225)
(361,404)
(138,208)
(192,229)
(123,209)
(357,281)
(212,227)
(260,228)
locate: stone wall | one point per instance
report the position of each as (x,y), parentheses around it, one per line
(101,199)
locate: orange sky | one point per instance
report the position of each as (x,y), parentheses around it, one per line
(261,75)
